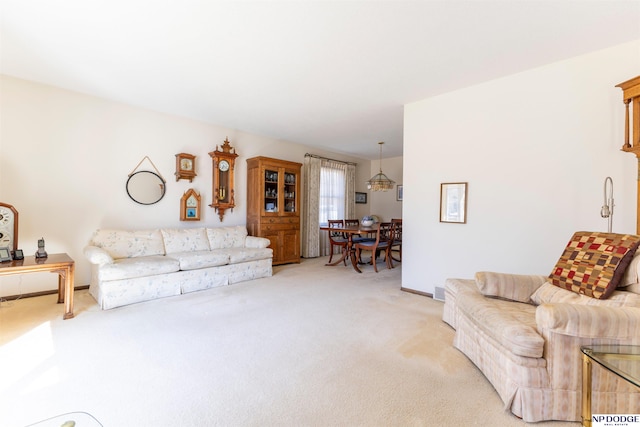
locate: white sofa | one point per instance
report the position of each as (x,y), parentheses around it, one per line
(524,333)
(141,265)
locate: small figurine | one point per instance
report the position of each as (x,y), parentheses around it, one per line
(41,253)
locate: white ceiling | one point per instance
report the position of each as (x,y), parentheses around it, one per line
(332,74)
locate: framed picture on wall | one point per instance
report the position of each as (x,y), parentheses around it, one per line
(399,193)
(453,202)
(361,197)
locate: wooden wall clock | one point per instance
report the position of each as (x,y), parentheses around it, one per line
(190,206)
(185,166)
(223,178)
(8,226)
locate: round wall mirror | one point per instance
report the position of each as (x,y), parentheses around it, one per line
(145,187)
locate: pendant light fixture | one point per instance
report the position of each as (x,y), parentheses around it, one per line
(380,182)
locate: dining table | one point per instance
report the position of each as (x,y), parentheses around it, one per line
(350,231)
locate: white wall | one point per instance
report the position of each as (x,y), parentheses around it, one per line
(535,148)
(65,158)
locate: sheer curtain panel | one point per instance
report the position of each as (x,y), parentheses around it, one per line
(332,191)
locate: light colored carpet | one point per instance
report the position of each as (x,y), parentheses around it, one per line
(310,346)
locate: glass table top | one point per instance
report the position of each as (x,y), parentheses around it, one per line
(71,419)
(622,360)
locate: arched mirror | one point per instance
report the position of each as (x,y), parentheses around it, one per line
(145,187)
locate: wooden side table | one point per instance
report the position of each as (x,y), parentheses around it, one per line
(61,264)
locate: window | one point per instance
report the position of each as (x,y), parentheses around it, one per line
(332,191)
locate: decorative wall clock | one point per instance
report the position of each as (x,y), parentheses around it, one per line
(8,226)
(185,166)
(223,178)
(190,206)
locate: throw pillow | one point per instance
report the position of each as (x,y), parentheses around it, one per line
(593,263)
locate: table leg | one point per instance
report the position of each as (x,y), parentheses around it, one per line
(344,256)
(68,298)
(586,391)
(65,289)
(352,253)
(61,286)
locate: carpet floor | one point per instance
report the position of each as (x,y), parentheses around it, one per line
(309,346)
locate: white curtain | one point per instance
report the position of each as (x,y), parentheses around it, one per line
(329,193)
(333,188)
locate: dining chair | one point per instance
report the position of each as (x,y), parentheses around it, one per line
(337,238)
(397,239)
(382,243)
(356,237)
(349,222)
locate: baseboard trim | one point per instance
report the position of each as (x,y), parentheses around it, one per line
(413,291)
(39,294)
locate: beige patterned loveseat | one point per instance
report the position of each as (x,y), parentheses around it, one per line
(525,332)
(135,266)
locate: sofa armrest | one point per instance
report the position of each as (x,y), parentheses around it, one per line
(97,255)
(256,242)
(589,321)
(514,287)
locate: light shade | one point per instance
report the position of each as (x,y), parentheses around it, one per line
(380,181)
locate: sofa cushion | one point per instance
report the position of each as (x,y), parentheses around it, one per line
(632,273)
(512,324)
(238,255)
(514,287)
(593,263)
(226,237)
(178,240)
(549,294)
(128,244)
(635,288)
(200,259)
(130,268)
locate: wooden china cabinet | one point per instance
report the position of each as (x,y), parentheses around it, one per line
(273,205)
(631,95)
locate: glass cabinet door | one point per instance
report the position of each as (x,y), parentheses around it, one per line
(271,190)
(290,192)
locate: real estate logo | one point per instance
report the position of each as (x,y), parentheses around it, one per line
(615,420)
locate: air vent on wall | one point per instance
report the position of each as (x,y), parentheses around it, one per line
(439,294)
